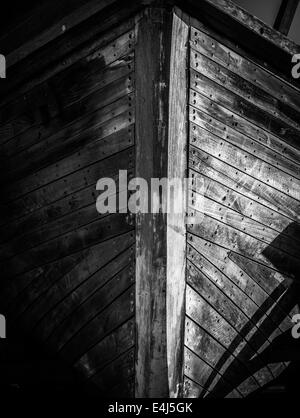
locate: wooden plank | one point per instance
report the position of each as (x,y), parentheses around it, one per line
(243,88)
(107,349)
(207,122)
(118,371)
(176,230)
(78,82)
(242,320)
(52,200)
(196,369)
(242,243)
(55,58)
(99,327)
(223,269)
(243,205)
(243,66)
(247,162)
(223,213)
(91,127)
(236,122)
(93,57)
(232,177)
(66,114)
(254,56)
(75,197)
(58,227)
(123,389)
(97,231)
(254,24)
(285,16)
(202,344)
(192,389)
(264,276)
(251,323)
(121,139)
(242,107)
(86,311)
(232,22)
(72,317)
(15,290)
(152,92)
(90,273)
(208,318)
(49,34)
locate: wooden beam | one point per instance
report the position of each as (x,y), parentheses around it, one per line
(176,232)
(152,82)
(285,16)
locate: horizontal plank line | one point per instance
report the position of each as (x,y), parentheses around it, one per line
(132,286)
(245,173)
(235,192)
(276,210)
(271,162)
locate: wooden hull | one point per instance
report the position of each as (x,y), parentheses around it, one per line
(151,305)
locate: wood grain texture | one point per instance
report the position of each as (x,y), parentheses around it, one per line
(176,229)
(243,247)
(68,271)
(152,92)
(245,67)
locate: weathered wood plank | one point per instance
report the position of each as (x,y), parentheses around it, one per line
(46,102)
(206,347)
(247,162)
(220,266)
(119,311)
(92,271)
(253,324)
(176,230)
(56,58)
(94,151)
(97,231)
(242,243)
(243,88)
(244,142)
(241,65)
(58,197)
(40,218)
(285,16)
(98,56)
(107,349)
(232,177)
(242,107)
(49,34)
(223,213)
(67,115)
(119,371)
(208,318)
(245,206)
(152,94)
(236,122)
(255,25)
(86,311)
(247,322)
(80,135)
